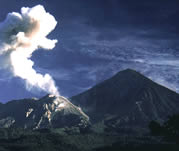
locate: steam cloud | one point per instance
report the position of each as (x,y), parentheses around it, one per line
(20,35)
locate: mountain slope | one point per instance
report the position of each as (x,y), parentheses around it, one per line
(47,112)
(128,98)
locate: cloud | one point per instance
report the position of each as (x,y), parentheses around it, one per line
(20,35)
(156,58)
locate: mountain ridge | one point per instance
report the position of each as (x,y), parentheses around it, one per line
(128,99)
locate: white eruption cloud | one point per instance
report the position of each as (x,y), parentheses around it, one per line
(20,35)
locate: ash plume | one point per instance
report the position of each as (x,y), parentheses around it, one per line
(20,35)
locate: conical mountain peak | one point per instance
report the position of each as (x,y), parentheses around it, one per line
(128,94)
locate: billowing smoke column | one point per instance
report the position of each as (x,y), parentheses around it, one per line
(20,35)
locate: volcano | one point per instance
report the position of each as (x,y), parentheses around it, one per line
(128,99)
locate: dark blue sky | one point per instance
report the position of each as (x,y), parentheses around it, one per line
(98,38)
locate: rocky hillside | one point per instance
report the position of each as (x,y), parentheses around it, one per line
(128,98)
(47,112)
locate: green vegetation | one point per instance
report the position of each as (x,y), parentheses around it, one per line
(27,140)
(61,139)
(71,139)
(145,147)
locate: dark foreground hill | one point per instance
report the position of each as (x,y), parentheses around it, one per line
(60,140)
(128,99)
